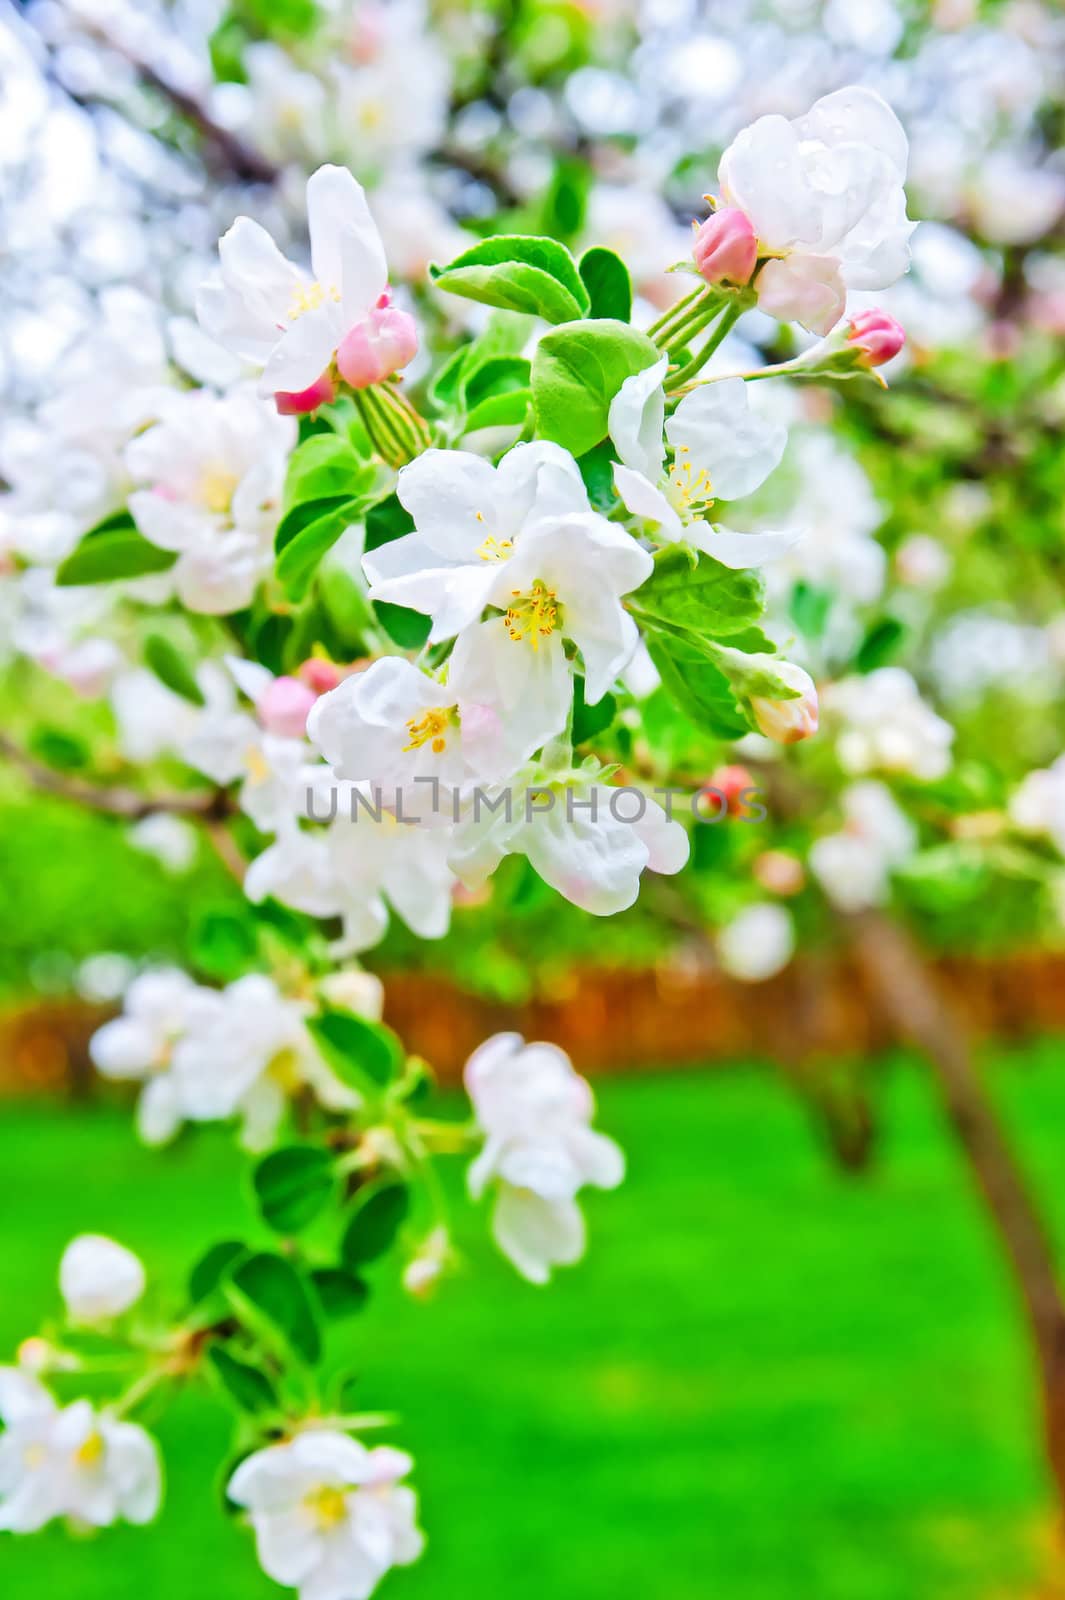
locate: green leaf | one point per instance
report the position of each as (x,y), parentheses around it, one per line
(809,609)
(703,597)
(409,629)
(357,1049)
(213,1267)
(597,470)
(565,202)
(518,273)
(323,467)
(883,640)
(500,411)
(379,1214)
(299,558)
(341,1293)
(577,371)
(590,720)
(293,1184)
(222,943)
(387,520)
(171,668)
(498,375)
(274,1289)
(247,1385)
(111,553)
(606,278)
(696,686)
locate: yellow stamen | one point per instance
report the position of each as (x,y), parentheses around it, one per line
(309,296)
(89,1453)
(216,490)
(328,1506)
(689,492)
(493,549)
(533,616)
(430,728)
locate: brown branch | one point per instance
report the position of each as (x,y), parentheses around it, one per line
(905,990)
(114,800)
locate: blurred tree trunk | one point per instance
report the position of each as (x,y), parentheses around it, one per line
(902,985)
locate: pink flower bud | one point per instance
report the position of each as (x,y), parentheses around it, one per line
(284,707)
(876,336)
(726,247)
(322,392)
(788,721)
(732,783)
(383,342)
(321,676)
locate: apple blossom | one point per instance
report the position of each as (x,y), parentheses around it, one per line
(757,944)
(824,194)
(788,721)
(330,1516)
(876,336)
(99,1278)
(383,342)
(725,247)
(720,450)
(76,1462)
(887,727)
(270,312)
(213,468)
(540,1149)
(854,866)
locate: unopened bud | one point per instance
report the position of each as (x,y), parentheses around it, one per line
(726,247)
(876,336)
(383,342)
(285,706)
(788,721)
(319,675)
(732,783)
(322,392)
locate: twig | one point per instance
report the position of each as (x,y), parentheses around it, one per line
(113,800)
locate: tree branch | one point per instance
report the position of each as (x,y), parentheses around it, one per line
(112,800)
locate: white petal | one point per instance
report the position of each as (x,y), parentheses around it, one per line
(637,414)
(346,248)
(645,500)
(303,351)
(741,551)
(736,446)
(860,116)
(453,497)
(537,1234)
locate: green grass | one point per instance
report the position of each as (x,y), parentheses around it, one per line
(766,1382)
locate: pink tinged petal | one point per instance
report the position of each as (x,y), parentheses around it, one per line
(735,445)
(382,343)
(346,248)
(644,500)
(511,698)
(455,501)
(537,1234)
(807,289)
(636,418)
(303,351)
(320,393)
(741,551)
(725,249)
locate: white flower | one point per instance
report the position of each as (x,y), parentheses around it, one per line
(1038,803)
(588,840)
(365,861)
(390,79)
(720,449)
(215,468)
(269,312)
(539,1150)
(140,1044)
(171,840)
(330,1517)
(825,194)
(520,538)
(757,944)
(854,866)
(287,120)
(74,1462)
(400,730)
(888,727)
(99,1278)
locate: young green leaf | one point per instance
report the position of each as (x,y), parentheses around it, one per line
(518,272)
(213,1267)
(325,466)
(341,1293)
(111,553)
(378,1216)
(606,278)
(292,1186)
(275,1293)
(248,1386)
(171,668)
(303,550)
(356,1049)
(577,371)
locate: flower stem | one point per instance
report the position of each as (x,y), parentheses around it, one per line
(728,319)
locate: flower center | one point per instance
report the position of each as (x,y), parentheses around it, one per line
(90,1451)
(327,1506)
(688,490)
(216,490)
(535,615)
(430,728)
(34,1457)
(309,296)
